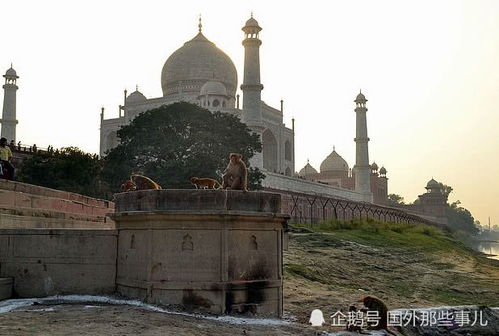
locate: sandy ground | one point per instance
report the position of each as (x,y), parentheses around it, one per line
(101,319)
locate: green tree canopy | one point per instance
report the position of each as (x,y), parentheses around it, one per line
(394,200)
(173,143)
(68,169)
(460,218)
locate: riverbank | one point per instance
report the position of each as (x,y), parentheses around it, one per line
(331,265)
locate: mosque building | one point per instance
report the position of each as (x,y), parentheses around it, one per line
(202,74)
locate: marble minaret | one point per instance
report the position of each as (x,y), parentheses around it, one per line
(362,168)
(251,87)
(9,120)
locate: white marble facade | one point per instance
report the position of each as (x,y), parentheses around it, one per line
(202,74)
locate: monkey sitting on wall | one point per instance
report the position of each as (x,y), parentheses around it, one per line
(205,183)
(235,176)
(128,186)
(143,182)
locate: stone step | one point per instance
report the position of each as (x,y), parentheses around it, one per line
(65,221)
(14,199)
(58,194)
(6,288)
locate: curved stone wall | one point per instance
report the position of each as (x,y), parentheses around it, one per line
(209,250)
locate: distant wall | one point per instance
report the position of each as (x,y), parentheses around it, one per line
(280,182)
(313,208)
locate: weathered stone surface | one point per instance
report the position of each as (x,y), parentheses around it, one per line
(5,288)
(28,206)
(209,250)
(198,200)
(50,261)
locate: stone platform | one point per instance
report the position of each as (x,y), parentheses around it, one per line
(216,251)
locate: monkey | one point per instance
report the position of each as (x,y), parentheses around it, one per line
(143,182)
(351,327)
(128,186)
(372,303)
(235,176)
(205,183)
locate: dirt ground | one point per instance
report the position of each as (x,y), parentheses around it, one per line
(98,319)
(321,272)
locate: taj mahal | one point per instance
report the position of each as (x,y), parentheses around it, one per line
(202,74)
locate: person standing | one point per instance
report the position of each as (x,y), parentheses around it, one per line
(5,157)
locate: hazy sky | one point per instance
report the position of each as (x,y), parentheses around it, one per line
(430,70)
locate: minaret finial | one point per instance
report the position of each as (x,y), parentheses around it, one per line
(136,87)
(11,65)
(308,161)
(200,25)
(251,14)
(334,148)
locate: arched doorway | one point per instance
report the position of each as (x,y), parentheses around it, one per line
(269,151)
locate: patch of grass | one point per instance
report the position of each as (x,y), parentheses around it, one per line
(386,234)
(303,271)
(452,296)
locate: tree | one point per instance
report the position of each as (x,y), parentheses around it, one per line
(446,190)
(173,143)
(395,200)
(461,219)
(68,169)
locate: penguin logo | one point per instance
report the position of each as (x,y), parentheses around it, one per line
(317,318)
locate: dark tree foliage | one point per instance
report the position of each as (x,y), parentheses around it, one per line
(175,142)
(68,169)
(460,218)
(394,200)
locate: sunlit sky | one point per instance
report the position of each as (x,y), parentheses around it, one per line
(430,70)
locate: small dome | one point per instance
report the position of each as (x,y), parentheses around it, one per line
(213,88)
(374,166)
(432,184)
(135,97)
(11,73)
(382,171)
(252,23)
(307,170)
(360,98)
(334,162)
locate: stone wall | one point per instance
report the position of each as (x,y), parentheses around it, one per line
(58,261)
(284,183)
(218,251)
(310,208)
(55,242)
(27,206)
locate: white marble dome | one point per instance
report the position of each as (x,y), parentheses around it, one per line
(334,162)
(135,97)
(195,63)
(307,170)
(213,88)
(11,73)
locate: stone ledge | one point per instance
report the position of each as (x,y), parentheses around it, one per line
(198,200)
(8,221)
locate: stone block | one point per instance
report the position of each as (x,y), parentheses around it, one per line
(5,288)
